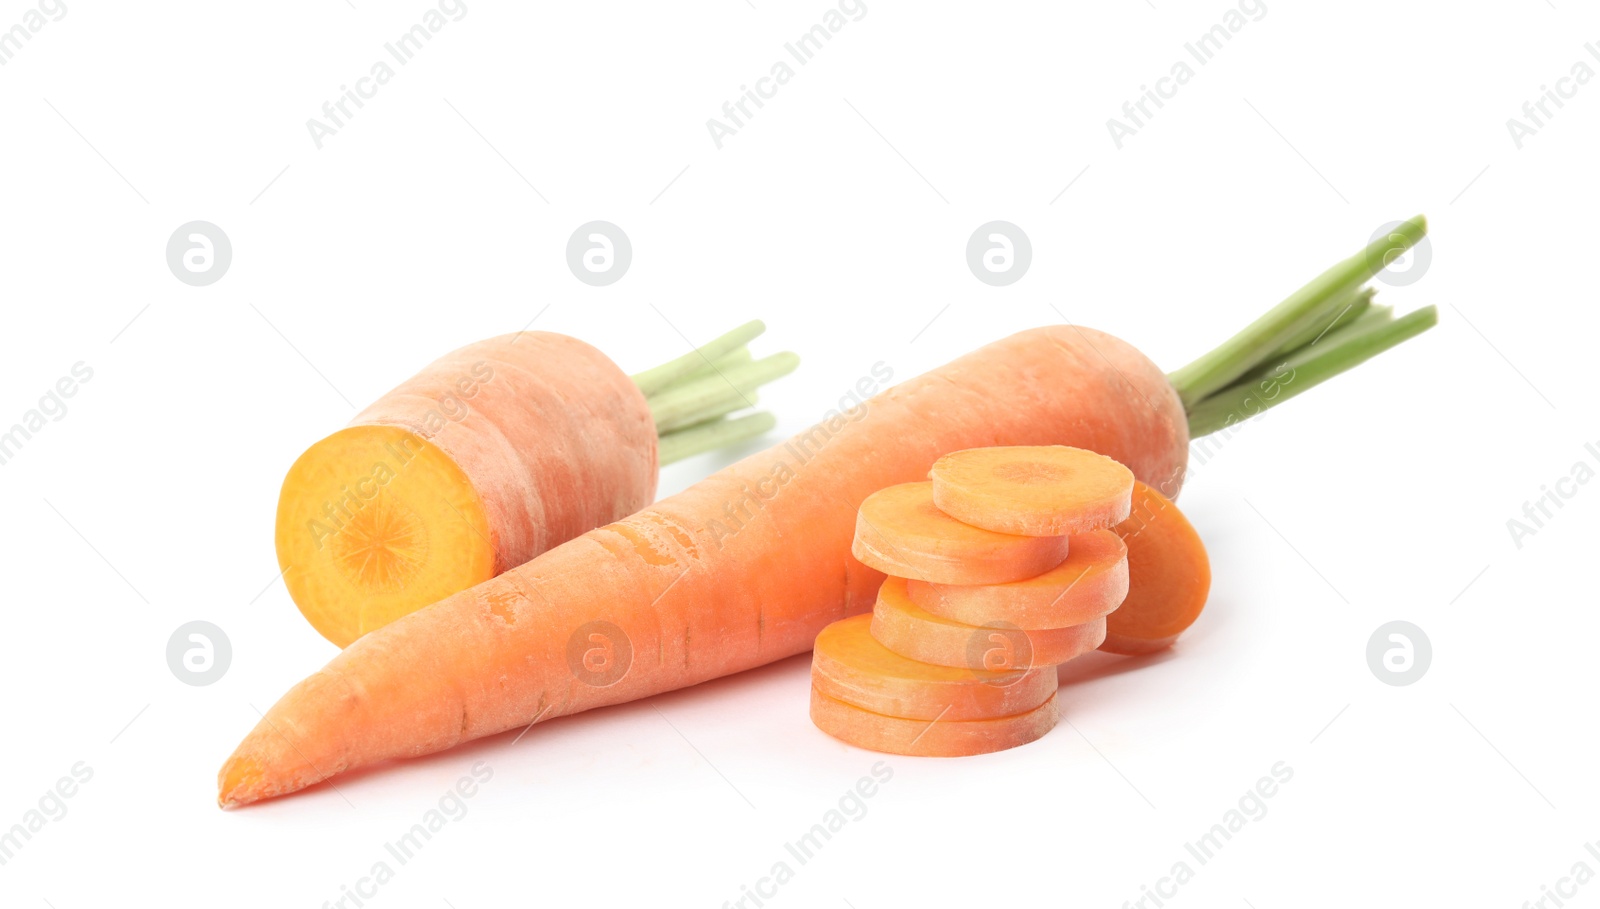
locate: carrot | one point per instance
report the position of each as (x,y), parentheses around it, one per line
(743,568)
(848,664)
(491,455)
(1169,577)
(1036,490)
(1088,585)
(929,738)
(901,532)
(904,628)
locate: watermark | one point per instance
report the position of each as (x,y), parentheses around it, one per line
(1251,807)
(33,21)
(337,114)
(1202,50)
(199,253)
(52,408)
(999,253)
(1251,407)
(51,807)
(599,654)
(450,808)
(599,253)
(1566,887)
(1398,265)
(1002,648)
(737,114)
(1539,512)
(799,451)
(1399,653)
(1537,114)
(199,653)
(851,807)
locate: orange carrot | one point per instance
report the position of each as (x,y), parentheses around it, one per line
(849,665)
(901,532)
(1088,585)
(1169,577)
(929,738)
(1037,490)
(906,629)
(739,570)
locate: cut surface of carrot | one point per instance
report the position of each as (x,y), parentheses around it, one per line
(1035,490)
(1087,585)
(900,532)
(906,629)
(929,738)
(849,665)
(1169,577)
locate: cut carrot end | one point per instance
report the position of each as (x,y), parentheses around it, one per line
(375,522)
(900,532)
(1089,584)
(929,738)
(1035,490)
(1169,577)
(848,664)
(903,627)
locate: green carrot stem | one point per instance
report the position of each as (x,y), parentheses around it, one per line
(1372,315)
(730,359)
(658,378)
(1236,356)
(731,386)
(1345,308)
(711,411)
(1305,369)
(718,433)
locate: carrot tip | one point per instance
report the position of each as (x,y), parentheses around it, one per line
(239,776)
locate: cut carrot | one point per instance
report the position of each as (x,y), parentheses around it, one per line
(906,629)
(1169,577)
(1035,490)
(849,665)
(929,738)
(1089,584)
(900,532)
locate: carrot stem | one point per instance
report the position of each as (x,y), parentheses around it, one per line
(657,378)
(1307,368)
(1312,304)
(731,387)
(717,433)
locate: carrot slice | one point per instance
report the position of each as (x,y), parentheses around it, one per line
(849,665)
(1169,576)
(929,738)
(903,627)
(900,532)
(1089,584)
(1036,490)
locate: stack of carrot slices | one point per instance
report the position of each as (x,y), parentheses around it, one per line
(1002,566)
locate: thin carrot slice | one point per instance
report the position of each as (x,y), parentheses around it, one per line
(1088,585)
(1036,490)
(1169,577)
(929,738)
(903,627)
(849,665)
(900,532)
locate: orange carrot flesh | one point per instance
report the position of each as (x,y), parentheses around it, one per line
(848,664)
(1169,577)
(906,629)
(1087,585)
(899,531)
(739,570)
(929,738)
(486,458)
(1036,490)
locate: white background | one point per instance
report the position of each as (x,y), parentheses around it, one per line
(839,215)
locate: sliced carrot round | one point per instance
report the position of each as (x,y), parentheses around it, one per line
(849,665)
(1089,584)
(900,532)
(905,628)
(1036,490)
(1169,577)
(929,738)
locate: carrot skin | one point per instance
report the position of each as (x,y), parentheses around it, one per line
(742,569)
